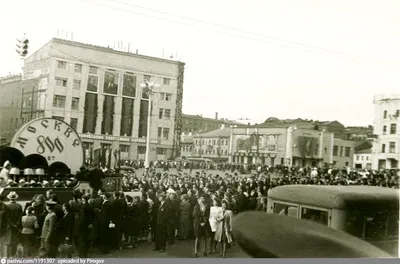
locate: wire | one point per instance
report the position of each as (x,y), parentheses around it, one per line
(320,50)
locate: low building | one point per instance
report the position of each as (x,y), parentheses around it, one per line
(187,146)
(343,152)
(213,145)
(363,155)
(197,124)
(359,133)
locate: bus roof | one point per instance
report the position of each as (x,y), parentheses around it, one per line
(338,196)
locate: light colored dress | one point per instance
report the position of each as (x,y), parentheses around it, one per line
(224,228)
(215,211)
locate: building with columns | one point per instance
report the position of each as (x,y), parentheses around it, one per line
(289,145)
(97,91)
(386,145)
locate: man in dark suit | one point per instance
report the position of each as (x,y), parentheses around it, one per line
(86,219)
(119,208)
(106,227)
(92,84)
(161,227)
(109,86)
(14,223)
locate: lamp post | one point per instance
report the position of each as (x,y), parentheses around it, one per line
(150,90)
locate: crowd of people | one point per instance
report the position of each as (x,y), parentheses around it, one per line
(156,206)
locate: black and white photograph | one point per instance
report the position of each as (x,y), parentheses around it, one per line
(110,83)
(129,85)
(92,83)
(199,131)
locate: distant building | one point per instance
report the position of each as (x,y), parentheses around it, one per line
(386,145)
(359,133)
(213,145)
(363,155)
(343,151)
(187,146)
(197,124)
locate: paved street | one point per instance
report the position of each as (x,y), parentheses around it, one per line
(182,249)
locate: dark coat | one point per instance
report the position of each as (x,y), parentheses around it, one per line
(200,218)
(66,227)
(86,218)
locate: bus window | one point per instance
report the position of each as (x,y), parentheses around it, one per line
(315,215)
(393,224)
(354,224)
(375,225)
(285,209)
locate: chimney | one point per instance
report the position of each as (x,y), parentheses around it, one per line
(216,115)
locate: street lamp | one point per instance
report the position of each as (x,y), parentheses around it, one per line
(150,90)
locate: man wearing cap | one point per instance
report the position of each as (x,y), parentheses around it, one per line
(14,224)
(48,236)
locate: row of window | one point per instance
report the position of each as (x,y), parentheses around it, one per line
(164,113)
(338,151)
(392,147)
(212,142)
(59,102)
(393,129)
(214,151)
(73,122)
(385,114)
(126,148)
(203,123)
(362,157)
(163,133)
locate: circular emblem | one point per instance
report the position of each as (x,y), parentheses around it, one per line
(53,139)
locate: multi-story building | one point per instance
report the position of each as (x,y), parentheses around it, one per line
(97,91)
(197,124)
(213,145)
(363,155)
(15,94)
(359,133)
(386,146)
(343,152)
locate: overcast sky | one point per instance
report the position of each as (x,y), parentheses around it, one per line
(311,59)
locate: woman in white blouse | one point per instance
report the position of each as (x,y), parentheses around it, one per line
(215,212)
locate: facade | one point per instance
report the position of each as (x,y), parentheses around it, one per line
(97,91)
(363,159)
(213,145)
(10,107)
(187,146)
(359,133)
(196,124)
(289,145)
(386,146)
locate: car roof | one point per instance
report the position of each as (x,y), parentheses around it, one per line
(338,196)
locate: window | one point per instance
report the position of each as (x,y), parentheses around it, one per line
(166,81)
(77,84)
(384,129)
(385,114)
(362,157)
(397,113)
(347,151)
(59,101)
(358,157)
(93,70)
(168,97)
(383,148)
(78,68)
(335,150)
(74,123)
(326,150)
(161,151)
(61,118)
(284,209)
(62,82)
(166,133)
(75,103)
(162,98)
(141,150)
(167,114)
(160,113)
(213,142)
(346,163)
(147,77)
(393,128)
(315,215)
(61,64)
(366,157)
(124,148)
(159,132)
(392,147)
(341,151)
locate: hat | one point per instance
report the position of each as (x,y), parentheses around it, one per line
(170,191)
(7,163)
(51,203)
(12,196)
